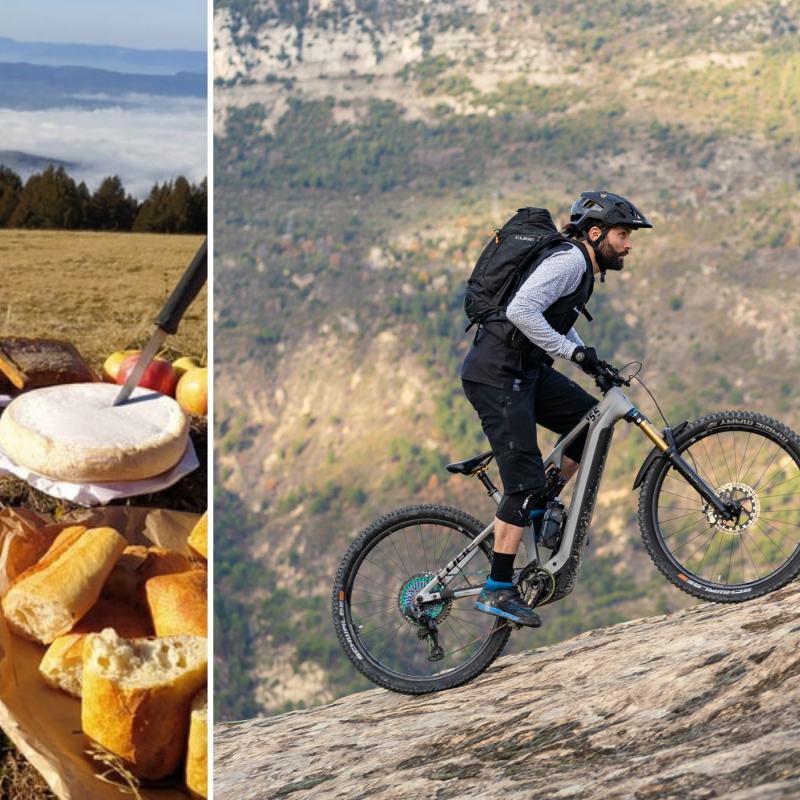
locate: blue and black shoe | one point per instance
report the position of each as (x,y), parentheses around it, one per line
(508,604)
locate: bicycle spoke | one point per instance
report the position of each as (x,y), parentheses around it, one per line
(744,456)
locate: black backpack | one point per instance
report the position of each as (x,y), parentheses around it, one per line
(497,274)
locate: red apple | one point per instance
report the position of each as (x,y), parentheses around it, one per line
(112,364)
(159,374)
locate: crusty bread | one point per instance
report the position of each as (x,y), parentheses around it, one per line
(50,597)
(26,546)
(137,697)
(197,754)
(62,664)
(179,603)
(137,565)
(198,538)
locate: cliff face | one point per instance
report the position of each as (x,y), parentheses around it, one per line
(700,703)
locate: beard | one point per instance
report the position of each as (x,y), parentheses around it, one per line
(608,257)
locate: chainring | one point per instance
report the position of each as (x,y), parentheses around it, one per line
(436,610)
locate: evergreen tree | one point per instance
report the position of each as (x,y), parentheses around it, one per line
(51,200)
(10,188)
(110,209)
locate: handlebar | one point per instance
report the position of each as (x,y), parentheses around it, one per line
(607,376)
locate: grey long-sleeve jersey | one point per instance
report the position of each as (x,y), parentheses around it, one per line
(556,277)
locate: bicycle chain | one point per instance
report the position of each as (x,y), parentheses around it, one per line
(480,638)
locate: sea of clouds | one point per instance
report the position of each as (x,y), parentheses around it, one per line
(144,140)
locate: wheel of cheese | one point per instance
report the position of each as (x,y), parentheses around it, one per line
(73,432)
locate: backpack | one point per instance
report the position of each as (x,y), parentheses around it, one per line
(499,269)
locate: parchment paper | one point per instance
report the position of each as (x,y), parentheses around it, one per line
(98,494)
(45,723)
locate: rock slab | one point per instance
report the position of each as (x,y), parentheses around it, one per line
(701,703)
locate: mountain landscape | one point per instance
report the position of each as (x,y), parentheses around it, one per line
(364,151)
(107,57)
(101,110)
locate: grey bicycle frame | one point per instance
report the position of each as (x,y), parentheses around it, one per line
(565,563)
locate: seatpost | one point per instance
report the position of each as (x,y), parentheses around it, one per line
(493,491)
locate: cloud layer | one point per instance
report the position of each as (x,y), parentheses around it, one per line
(148,140)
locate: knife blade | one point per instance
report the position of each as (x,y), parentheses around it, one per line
(168,319)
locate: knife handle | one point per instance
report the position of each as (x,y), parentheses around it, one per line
(185,292)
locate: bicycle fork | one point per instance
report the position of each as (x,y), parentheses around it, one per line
(666,444)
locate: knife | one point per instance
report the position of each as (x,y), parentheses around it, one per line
(167,321)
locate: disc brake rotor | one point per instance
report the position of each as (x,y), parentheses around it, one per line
(436,610)
(745,499)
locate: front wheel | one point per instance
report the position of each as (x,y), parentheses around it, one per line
(752,461)
(385,567)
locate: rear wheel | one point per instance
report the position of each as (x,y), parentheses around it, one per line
(384,569)
(752,461)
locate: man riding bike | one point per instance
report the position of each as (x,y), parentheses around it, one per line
(512,390)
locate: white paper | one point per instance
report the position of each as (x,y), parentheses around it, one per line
(99,494)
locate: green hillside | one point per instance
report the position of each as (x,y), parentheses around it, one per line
(364,151)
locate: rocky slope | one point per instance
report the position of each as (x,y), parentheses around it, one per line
(696,704)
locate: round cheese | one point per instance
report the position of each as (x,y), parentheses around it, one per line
(74,433)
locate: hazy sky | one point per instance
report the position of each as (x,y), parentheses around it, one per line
(143,24)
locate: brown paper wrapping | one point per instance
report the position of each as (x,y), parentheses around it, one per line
(45,723)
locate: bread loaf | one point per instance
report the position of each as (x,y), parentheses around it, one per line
(197,753)
(137,697)
(49,598)
(179,603)
(137,564)
(62,664)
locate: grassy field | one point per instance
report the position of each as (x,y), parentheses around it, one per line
(102,292)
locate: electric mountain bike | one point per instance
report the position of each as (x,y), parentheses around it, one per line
(716,510)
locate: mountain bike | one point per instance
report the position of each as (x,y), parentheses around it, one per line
(716,513)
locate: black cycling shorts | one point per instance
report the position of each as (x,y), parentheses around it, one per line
(509,420)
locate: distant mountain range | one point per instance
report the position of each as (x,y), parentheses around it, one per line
(25,164)
(118,59)
(31,87)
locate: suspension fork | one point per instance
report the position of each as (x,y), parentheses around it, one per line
(666,444)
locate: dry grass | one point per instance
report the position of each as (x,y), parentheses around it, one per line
(102,292)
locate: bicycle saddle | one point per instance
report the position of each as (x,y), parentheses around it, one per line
(471,465)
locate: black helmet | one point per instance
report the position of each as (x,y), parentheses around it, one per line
(605,209)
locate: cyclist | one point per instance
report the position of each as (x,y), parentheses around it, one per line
(512,392)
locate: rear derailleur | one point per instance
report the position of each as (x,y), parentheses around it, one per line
(426,629)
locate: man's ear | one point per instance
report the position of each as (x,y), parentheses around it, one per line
(595,233)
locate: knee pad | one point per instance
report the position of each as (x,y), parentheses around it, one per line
(515,507)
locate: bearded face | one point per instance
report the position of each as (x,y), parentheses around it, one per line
(609,256)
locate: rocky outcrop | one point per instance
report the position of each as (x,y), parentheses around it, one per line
(700,703)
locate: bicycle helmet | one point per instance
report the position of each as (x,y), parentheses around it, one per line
(607,210)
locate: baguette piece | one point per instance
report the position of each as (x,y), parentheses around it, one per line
(137,696)
(197,754)
(179,603)
(198,538)
(62,664)
(137,565)
(50,597)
